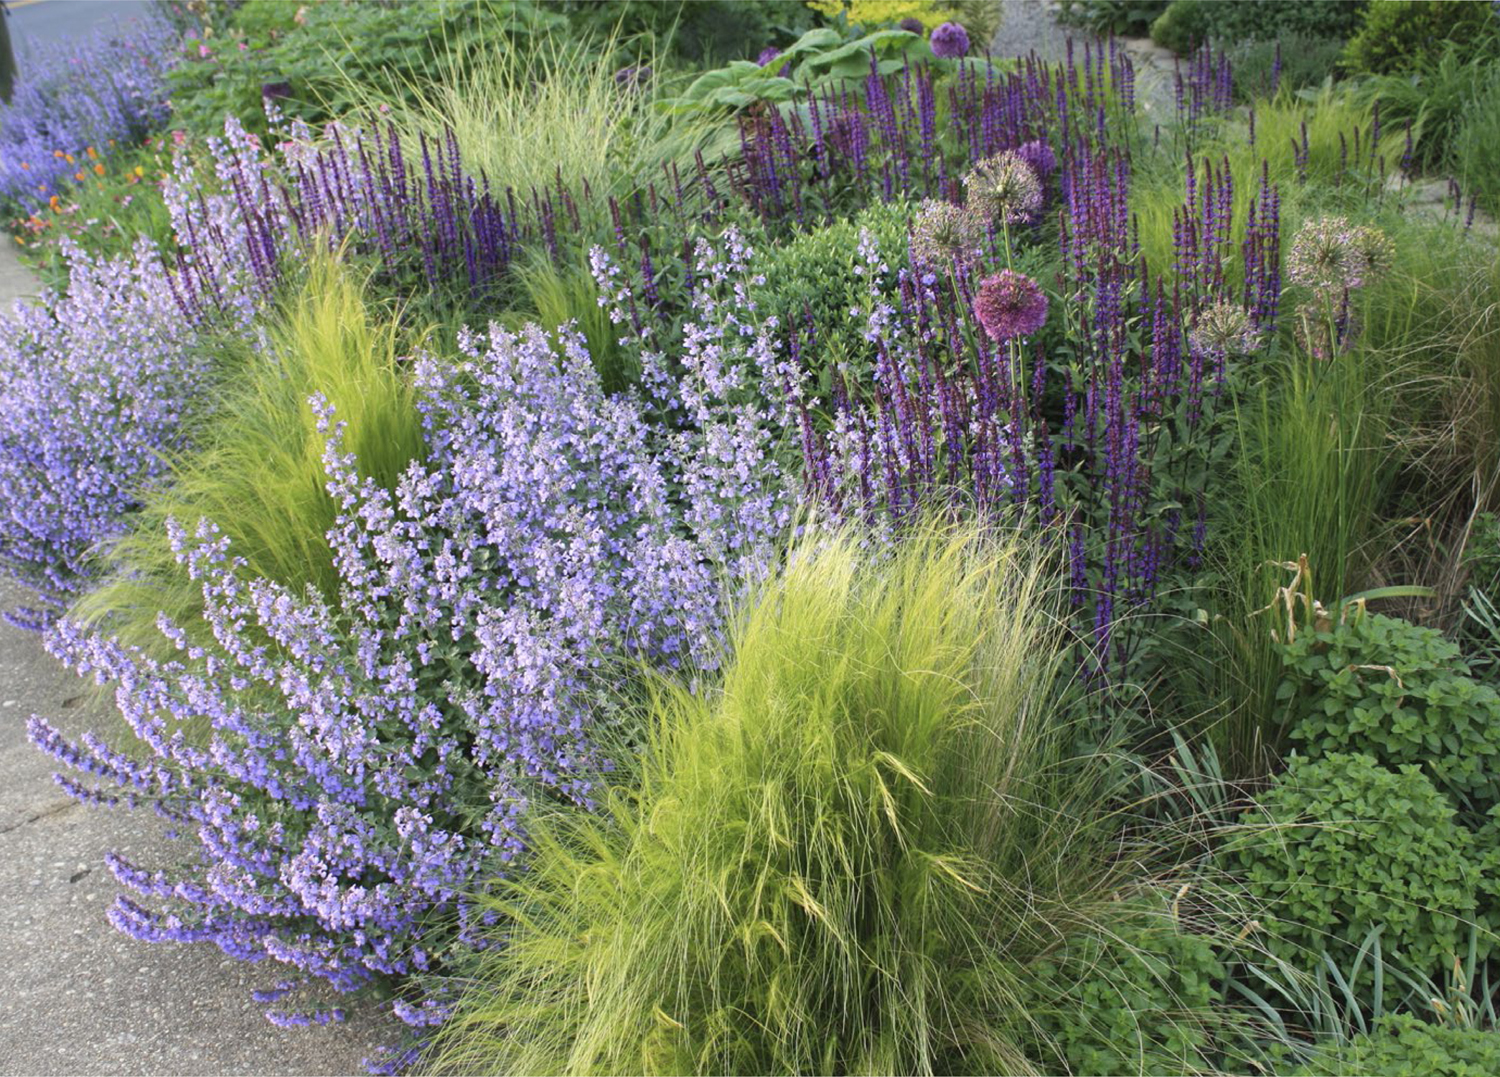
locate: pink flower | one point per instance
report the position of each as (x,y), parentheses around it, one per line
(1010,305)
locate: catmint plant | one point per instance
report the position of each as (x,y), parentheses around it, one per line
(94,386)
(361,762)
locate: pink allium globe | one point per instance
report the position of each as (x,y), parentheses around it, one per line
(1010,305)
(949,41)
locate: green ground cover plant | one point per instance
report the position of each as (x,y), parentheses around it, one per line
(1404,1046)
(1400,693)
(1341,845)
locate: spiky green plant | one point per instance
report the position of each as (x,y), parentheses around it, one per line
(566,111)
(857,853)
(256,468)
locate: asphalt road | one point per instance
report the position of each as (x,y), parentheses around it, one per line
(76,996)
(39,21)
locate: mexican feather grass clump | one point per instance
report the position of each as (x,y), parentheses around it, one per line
(846,857)
(256,468)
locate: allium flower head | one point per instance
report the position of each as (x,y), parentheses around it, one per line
(1039,156)
(944,232)
(1004,189)
(949,41)
(767,54)
(1330,254)
(910,25)
(1010,304)
(1224,329)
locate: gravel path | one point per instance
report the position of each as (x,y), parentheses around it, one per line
(76,996)
(1028,26)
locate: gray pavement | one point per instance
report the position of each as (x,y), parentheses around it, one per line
(46,21)
(76,996)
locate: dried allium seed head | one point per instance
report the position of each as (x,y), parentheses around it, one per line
(1224,329)
(1004,189)
(1330,254)
(944,233)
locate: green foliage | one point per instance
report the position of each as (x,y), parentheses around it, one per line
(1186,24)
(1476,144)
(1400,693)
(1404,35)
(843,858)
(1182,27)
(1132,1002)
(1309,471)
(1479,631)
(256,468)
(818,274)
(1306,61)
(1131,18)
(700,32)
(1341,845)
(1403,1046)
(815,59)
(310,55)
(1438,95)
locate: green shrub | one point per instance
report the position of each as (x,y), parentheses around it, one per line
(256,467)
(1402,35)
(1183,26)
(1132,18)
(1128,1003)
(843,859)
(1403,1046)
(1339,846)
(1400,693)
(819,274)
(1186,24)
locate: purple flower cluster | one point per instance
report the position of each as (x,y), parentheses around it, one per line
(1104,443)
(1009,305)
(949,41)
(94,92)
(93,387)
(369,756)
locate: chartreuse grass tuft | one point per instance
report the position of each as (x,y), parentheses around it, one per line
(256,468)
(855,853)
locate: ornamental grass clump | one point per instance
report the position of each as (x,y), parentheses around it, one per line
(255,466)
(857,852)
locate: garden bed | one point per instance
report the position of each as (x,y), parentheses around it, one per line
(768,538)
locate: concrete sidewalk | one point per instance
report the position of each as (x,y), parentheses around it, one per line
(76,996)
